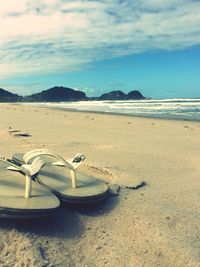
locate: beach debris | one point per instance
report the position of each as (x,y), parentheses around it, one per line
(114,189)
(14,131)
(136,185)
(22,135)
(17,133)
(11,131)
(188,127)
(115,178)
(125,179)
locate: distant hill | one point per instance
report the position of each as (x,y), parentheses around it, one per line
(6,96)
(113,95)
(57,94)
(119,95)
(61,94)
(135,95)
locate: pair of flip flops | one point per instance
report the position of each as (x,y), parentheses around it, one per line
(33,184)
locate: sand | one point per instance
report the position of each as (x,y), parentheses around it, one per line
(155,225)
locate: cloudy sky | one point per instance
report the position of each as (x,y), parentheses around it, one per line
(97,46)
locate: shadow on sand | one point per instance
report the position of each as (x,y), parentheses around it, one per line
(67,221)
(94,209)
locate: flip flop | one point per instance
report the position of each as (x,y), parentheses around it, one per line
(20,196)
(62,178)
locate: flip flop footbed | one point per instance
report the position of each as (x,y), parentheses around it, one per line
(12,188)
(58,179)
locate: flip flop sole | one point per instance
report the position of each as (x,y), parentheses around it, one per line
(19,214)
(13,202)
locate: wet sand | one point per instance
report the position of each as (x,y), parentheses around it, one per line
(155,225)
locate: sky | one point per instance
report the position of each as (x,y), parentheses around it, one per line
(98,46)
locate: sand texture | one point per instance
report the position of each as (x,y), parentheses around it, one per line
(157,224)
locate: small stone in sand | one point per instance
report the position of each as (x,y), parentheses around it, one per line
(114,189)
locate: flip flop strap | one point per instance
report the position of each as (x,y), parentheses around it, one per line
(34,167)
(75,162)
(42,152)
(28,169)
(72,164)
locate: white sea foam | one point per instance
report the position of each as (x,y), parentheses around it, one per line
(166,108)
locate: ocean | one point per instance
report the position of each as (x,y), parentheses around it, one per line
(184,109)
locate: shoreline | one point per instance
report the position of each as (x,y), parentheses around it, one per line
(110,113)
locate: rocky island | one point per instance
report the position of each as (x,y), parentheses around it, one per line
(119,95)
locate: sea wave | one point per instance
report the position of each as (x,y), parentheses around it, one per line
(178,108)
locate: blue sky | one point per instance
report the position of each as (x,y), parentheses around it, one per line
(97,46)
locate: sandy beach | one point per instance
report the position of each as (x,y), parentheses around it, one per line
(154,225)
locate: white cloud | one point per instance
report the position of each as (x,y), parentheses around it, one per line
(44,36)
(12,7)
